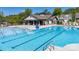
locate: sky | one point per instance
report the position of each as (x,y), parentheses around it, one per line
(15,10)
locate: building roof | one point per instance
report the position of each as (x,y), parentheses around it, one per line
(41,17)
(52,17)
(38,17)
(30,18)
(48,16)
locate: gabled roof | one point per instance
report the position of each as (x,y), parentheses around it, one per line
(52,17)
(41,17)
(48,16)
(30,18)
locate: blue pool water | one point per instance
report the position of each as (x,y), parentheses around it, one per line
(17,39)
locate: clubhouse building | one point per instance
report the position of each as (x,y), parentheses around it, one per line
(45,19)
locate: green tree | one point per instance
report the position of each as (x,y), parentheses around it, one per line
(18,19)
(68,11)
(57,12)
(25,14)
(2,18)
(73,12)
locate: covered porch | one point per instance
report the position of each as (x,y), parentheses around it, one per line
(34,22)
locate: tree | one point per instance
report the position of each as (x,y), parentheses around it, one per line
(57,12)
(18,19)
(77,9)
(73,12)
(25,14)
(2,18)
(68,11)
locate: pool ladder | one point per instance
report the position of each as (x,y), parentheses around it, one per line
(50,44)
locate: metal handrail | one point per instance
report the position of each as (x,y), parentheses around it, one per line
(48,44)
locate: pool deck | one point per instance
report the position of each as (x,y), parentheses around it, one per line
(32,27)
(70,47)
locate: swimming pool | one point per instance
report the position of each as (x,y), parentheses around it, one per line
(17,39)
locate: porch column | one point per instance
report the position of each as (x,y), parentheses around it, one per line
(39,23)
(44,22)
(28,22)
(33,23)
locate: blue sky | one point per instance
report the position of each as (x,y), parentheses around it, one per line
(16,10)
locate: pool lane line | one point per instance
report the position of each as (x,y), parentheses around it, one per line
(48,40)
(31,39)
(1,50)
(13,39)
(18,37)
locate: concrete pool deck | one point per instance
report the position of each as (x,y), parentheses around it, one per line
(70,47)
(33,27)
